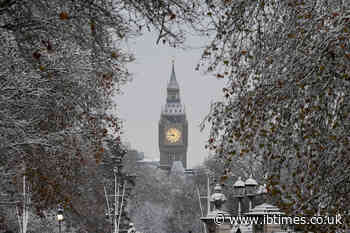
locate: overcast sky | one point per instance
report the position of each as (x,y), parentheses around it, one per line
(140,105)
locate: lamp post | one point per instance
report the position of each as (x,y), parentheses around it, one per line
(60,217)
(239,192)
(218,198)
(244,189)
(251,190)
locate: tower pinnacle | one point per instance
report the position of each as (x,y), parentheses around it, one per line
(173,82)
(173,127)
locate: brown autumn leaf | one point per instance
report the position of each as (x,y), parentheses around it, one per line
(63,15)
(36,55)
(105,131)
(335,14)
(347,55)
(291,35)
(308,15)
(223,178)
(114,55)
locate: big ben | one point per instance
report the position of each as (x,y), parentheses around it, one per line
(173,127)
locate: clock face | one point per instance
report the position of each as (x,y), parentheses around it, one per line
(173,135)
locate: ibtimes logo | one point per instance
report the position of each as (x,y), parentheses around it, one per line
(221,218)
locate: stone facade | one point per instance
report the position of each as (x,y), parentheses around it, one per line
(173,128)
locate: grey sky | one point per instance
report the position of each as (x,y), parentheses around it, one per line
(140,105)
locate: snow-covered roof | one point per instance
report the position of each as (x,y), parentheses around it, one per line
(177,167)
(251,182)
(148,161)
(239,183)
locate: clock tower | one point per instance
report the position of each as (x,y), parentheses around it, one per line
(173,127)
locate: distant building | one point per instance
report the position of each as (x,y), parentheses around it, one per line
(173,128)
(177,168)
(132,153)
(148,163)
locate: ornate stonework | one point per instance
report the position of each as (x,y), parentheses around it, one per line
(173,127)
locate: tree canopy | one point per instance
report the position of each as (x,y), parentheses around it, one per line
(287,97)
(60,64)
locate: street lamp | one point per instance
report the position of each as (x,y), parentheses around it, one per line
(218,198)
(251,190)
(239,191)
(244,189)
(60,217)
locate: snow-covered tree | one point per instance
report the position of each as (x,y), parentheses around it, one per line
(164,203)
(60,64)
(287,97)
